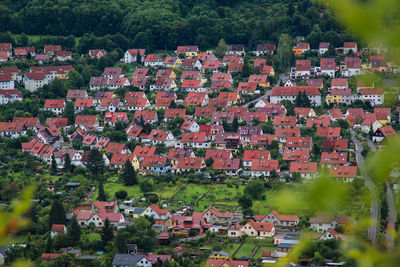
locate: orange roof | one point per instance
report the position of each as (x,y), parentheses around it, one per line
(158,210)
(261,226)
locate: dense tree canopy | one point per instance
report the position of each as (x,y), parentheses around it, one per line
(167,23)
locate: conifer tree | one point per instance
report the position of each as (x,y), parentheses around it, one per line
(57,213)
(67,163)
(128,174)
(95,163)
(74,230)
(102,195)
(53,165)
(107,233)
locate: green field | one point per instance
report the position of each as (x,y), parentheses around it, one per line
(201,196)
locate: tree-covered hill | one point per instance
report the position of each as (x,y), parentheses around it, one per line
(163,24)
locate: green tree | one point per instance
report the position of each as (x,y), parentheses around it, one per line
(53,165)
(128,174)
(107,233)
(95,163)
(102,194)
(69,112)
(245,201)
(254,189)
(74,230)
(49,245)
(57,213)
(221,48)
(285,51)
(67,163)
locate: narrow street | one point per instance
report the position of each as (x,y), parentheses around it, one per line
(373,227)
(268,92)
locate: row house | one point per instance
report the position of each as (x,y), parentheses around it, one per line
(280,93)
(228,166)
(352,67)
(334,158)
(9,96)
(263,167)
(140,82)
(250,155)
(282,133)
(153,60)
(328,67)
(54,105)
(323,48)
(15,73)
(259,141)
(172,62)
(165,84)
(160,137)
(195,140)
(264,49)
(155,164)
(6,81)
(189,164)
(235,50)
(281,219)
(12,129)
(192,64)
(75,94)
(306,170)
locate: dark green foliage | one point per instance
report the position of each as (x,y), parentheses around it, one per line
(49,245)
(74,230)
(254,189)
(122,194)
(107,233)
(53,165)
(67,163)
(95,163)
(245,201)
(57,213)
(102,195)
(132,23)
(128,174)
(69,112)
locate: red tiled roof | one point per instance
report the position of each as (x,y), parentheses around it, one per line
(158,210)
(303,65)
(303,167)
(343,171)
(294,90)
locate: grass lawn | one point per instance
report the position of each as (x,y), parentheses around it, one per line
(134,191)
(202,196)
(245,250)
(231,248)
(251,243)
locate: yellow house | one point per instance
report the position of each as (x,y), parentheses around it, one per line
(259,229)
(177,64)
(135,163)
(334,99)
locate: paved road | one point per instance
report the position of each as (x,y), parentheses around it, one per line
(373,227)
(281,77)
(390,200)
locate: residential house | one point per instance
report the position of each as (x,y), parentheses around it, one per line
(264,49)
(323,48)
(131,55)
(300,48)
(54,105)
(153,60)
(258,229)
(263,167)
(343,173)
(280,93)
(228,166)
(155,164)
(323,223)
(305,169)
(328,67)
(281,219)
(157,213)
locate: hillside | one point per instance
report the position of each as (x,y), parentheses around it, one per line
(163,24)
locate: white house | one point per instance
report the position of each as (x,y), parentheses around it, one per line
(154,211)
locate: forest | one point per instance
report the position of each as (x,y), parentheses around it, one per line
(164,24)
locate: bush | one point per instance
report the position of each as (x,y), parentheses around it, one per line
(121,194)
